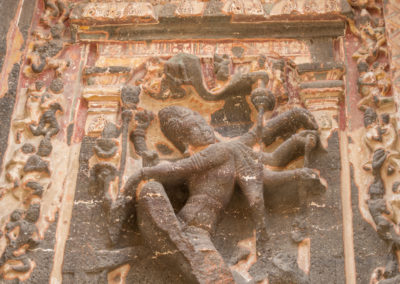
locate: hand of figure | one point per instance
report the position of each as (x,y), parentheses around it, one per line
(149,158)
(309,179)
(309,138)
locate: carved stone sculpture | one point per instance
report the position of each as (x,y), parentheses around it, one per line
(27,238)
(211,174)
(165,141)
(185,69)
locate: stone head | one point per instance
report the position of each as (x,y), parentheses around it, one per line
(183,126)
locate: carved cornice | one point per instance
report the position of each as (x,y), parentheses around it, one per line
(123,21)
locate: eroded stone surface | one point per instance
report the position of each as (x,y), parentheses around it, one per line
(199,142)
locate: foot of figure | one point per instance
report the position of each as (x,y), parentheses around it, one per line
(239,254)
(311,180)
(239,279)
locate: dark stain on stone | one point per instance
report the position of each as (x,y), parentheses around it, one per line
(6,108)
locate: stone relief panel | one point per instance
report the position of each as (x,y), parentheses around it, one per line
(375,170)
(35,164)
(212,158)
(172,138)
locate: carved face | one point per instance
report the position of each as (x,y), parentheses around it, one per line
(153,78)
(199,132)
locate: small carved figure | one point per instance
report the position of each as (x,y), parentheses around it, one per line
(130,96)
(388,130)
(384,82)
(26,238)
(48,125)
(53,95)
(290,7)
(32,110)
(100,177)
(373,91)
(24,162)
(44,52)
(373,41)
(310,6)
(332,6)
(211,174)
(15,167)
(55,9)
(364,4)
(386,230)
(152,80)
(277,80)
(185,69)
(37,163)
(107,145)
(373,135)
(381,134)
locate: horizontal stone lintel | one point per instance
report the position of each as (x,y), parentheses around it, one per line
(189,28)
(319,67)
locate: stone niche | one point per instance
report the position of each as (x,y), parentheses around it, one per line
(220,141)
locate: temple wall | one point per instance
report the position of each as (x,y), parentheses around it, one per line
(219,141)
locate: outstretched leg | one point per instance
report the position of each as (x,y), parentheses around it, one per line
(253,191)
(164,233)
(305,179)
(301,177)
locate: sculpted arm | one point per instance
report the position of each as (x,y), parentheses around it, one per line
(287,124)
(298,145)
(209,158)
(283,125)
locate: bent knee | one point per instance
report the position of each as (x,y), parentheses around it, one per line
(257,202)
(152,189)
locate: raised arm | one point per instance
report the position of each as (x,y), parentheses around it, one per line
(283,125)
(298,145)
(208,158)
(287,124)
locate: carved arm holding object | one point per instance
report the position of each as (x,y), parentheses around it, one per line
(138,138)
